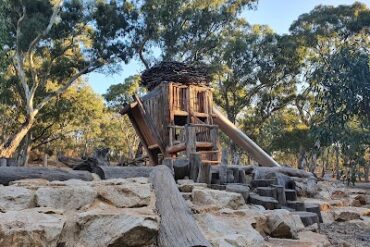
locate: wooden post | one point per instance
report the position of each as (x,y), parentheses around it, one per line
(195,162)
(204,173)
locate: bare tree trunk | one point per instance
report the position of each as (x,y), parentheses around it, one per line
(25,152)
(301,159)
(337,162)
(367,166)
(9,147)
(45,161)
(324,162)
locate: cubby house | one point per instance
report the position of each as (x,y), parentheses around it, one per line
(174,120)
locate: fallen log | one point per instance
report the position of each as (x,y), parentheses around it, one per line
(261,172)
(8,174)
(69,161)
(177,227)
(106,172)
(111,172)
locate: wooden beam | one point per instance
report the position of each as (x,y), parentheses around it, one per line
(148,121)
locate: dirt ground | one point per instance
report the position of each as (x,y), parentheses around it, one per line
(343,234)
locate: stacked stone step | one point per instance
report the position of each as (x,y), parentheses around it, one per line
(273,196)
(265,201)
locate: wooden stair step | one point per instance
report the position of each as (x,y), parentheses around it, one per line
(296,205)
(262,182)
(307,218)
(239,188)
(265,201)
(266,191)
(314,208)
(217,186)
(288,208)
(291,195)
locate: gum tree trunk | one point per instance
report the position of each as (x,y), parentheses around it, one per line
(8,148)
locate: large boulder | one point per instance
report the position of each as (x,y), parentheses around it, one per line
(16,198)
(282,224)
(126,195)
(65,197)
(30,228)
(222,199)
(228,230)
(120,227)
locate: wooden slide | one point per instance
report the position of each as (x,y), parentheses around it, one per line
(241,139)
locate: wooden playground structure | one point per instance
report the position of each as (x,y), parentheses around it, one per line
(177,122)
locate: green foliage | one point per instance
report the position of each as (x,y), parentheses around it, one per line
(184,30)
(120,94)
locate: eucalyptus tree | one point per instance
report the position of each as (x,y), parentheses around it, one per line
(53,43)
(183,30)
(335,46)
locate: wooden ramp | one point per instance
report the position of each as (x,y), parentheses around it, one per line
(143,125)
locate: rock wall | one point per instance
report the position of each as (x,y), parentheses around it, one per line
(75,213)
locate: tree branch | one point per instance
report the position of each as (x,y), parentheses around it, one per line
(18,59)
(64,88)
(33,44)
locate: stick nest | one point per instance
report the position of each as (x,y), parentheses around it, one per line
(175,72)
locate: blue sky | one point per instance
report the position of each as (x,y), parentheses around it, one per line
(278,14)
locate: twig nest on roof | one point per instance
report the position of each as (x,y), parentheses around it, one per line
(175,72)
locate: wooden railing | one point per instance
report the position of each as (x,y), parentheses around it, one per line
(177,134)
(209,156)
(179,98)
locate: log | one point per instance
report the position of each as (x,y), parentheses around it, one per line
(242,140)
(69,161)
(106,172)
(8,174)
(261,172)
(178,227)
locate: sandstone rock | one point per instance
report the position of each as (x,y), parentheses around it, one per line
(338,194)
(70,182)
(315,238)
(327,217)
(227,230)
(187,185)
(282,224)
(218,198)
(346,216)
(66,197)
(16,198)
(186,196)
(126,195)
(30,182)
(274,242)
(29,228)
(360,199)
(124,227)
(120,181)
